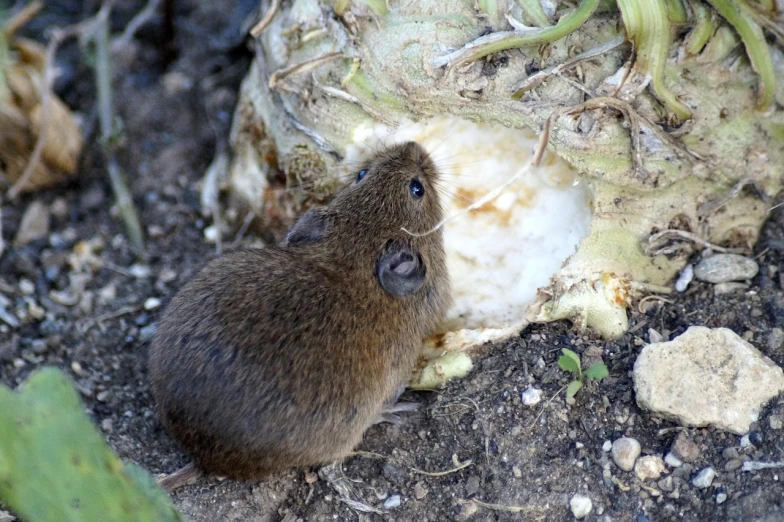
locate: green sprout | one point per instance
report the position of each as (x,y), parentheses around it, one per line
(570,362)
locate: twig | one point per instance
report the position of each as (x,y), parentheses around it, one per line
(141,18)
(499,507)
(21,17)
(2,242)
(302,67)
(462,465)
(651,298)
(537,79)
(265,21)
(103,80)
(343,95)
(710,207)
(458,465)
(652,248)
(546,404)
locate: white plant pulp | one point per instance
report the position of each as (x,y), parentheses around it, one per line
(501,253)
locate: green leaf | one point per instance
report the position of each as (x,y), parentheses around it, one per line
(596,371)
(569,361)
(573,388)
(55,466)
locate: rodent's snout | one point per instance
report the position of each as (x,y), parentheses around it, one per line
(416,155)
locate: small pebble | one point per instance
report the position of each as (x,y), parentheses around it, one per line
(472,486)
(211,234)
(607,446)
(650,467)
(745,441)
(103,396)
(625,452)
(581,506)
(147,333)
(420,491)
(723,268)
(755,438)
(167,275)
(152,303)
(730,453)
(107,425)
(59,208)
(468,510)
(517,472)
(34,224)
(721,496)
(392,502)
(672,460)
(311,477)
(139,271)
(729,288)
(776,339)
(26,286)
(704,478)
(732,465)
(687,274)
(531,396)
(775,422)
(685,448)
(654,336)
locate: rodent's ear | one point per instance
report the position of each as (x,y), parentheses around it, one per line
(310,228)
(400,271)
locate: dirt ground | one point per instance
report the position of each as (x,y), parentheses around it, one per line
(176,97)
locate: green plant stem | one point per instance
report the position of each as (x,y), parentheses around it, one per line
(503,40)
(648,26)
(703,29)
(739,15)
(533,10)
(103,80)
(676,12)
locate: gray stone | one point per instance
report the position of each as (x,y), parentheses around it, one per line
(704,478)
(723,268)
(625,452)
(672,460)
(776,339)
(392,502)
(581,506)
(706,377)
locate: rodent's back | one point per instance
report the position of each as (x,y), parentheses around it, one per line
(274,361)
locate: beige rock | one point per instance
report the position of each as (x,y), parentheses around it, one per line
(34,225)
(706,377)
(649,467)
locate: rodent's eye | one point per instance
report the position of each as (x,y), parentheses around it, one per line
(361,174)
(416,188)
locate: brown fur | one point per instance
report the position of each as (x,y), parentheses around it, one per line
(284,356)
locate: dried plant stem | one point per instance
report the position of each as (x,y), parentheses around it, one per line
(265,21)
(103,80)
(136,23)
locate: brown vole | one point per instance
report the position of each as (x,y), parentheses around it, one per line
(284,356)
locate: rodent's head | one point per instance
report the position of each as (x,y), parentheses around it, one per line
(394,190)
